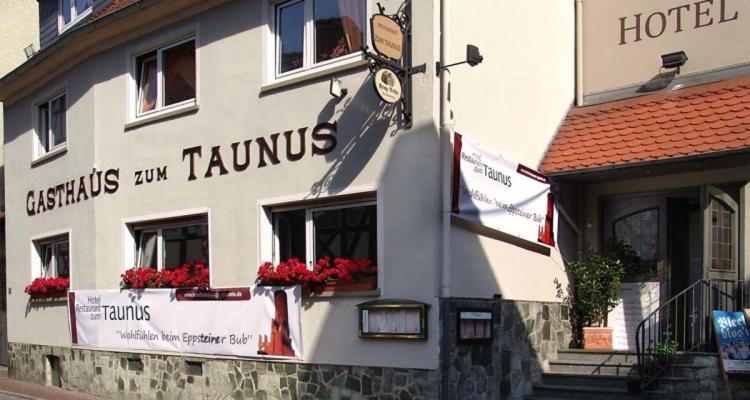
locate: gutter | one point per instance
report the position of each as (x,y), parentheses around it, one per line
(446,153)
(579,52)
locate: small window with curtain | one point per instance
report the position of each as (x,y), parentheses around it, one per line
(172,243)
(54,254)
(51,124)
(723,253)
(72,11)
(636,236)
(312,33)
(165,78)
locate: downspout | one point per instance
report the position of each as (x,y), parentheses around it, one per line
(445,143)
(579,52)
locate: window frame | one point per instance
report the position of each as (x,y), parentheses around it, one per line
(40,149)
(42,241)
(309,66)
(75,16)
(160,107)
(157,227)
(310,228)
(131,224)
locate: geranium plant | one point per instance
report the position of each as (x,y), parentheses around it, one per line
(47,286)
(189,275)
(295,272)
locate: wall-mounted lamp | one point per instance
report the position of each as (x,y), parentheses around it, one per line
(336,90)
(674,60)
(473,58)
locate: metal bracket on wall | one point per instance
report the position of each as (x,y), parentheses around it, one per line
(402,68)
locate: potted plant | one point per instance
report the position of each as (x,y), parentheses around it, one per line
(188,275)
(596,290)
(339,274)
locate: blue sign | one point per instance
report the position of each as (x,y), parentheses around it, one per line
(733,339)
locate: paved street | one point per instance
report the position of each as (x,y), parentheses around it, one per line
(11,389)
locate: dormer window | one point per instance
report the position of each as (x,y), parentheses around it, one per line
(72,11)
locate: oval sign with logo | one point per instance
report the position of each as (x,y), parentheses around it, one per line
(387,85)
(387,36)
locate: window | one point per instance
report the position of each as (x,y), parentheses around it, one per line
(170,244)
(72,11)
(310,33)
(51,124)
(722,236)
(348,231)
(54,254)
(165,77)
(639,232)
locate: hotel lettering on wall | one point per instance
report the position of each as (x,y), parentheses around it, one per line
(676,19)
(625,39)
(259,152)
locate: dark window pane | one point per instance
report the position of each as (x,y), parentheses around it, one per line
(57,122)
(185,244)
(290,233)
(82,6)
(179,73)
(65,9)
(44,126)
(290,36)
(346,232)
(640,231)
(338,27)
(62,260)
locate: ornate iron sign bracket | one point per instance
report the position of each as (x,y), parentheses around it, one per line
(403,67)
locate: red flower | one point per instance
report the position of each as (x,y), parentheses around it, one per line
(47,285)
(294,272)
(189,275)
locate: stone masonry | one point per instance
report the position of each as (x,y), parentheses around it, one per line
(148,376)
(526,335)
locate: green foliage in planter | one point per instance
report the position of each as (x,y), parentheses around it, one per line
(596,278)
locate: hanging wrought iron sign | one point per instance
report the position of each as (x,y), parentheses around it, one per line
(387,85)
(387,36)
(390,65)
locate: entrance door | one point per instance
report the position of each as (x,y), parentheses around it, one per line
(720,234)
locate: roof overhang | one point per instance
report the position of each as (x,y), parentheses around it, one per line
(91,38)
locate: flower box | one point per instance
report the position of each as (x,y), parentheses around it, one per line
(359,285)
(339,274)
(55,296)
(187,276)
(48,288)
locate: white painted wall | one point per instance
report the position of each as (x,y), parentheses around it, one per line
(513,103)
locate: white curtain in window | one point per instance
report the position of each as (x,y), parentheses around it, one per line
(147,86)
(147,250)
(58,121)
(352,15)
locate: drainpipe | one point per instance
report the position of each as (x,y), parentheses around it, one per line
(445,143)
(579,52)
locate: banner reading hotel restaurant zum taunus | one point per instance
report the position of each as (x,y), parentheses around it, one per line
(250,322)
(501,194)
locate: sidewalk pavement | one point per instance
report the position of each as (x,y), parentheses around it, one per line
(13,389)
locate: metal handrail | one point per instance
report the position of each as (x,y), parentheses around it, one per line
(682,324)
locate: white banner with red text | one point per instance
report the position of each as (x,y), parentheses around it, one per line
(501,194)
(260,321)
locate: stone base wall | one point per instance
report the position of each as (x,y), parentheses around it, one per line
(148,376)
(703,380)
(526,335)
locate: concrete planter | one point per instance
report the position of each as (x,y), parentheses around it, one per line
(596,338)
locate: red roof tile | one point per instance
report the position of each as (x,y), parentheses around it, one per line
(686,122)
(113,6)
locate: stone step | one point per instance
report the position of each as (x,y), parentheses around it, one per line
(611,357)
(598,381)
(579,393)
(590,368)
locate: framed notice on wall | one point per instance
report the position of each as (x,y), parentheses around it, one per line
(393,319)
